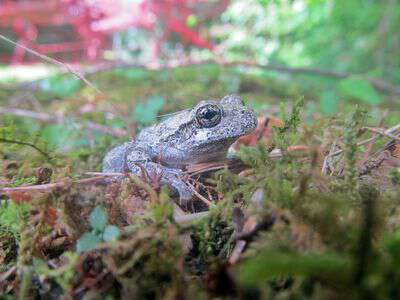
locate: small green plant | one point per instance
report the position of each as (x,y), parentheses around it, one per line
(13,216)
(289,134)
(292,122)
(101,232)
(353,125)
(25,180)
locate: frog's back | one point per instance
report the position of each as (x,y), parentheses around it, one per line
(168,130)
(148,135)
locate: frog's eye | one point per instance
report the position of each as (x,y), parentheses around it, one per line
(208,115)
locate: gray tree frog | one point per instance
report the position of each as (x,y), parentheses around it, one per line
(201,134)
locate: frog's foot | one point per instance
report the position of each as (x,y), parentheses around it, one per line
(170,176)
(183,189)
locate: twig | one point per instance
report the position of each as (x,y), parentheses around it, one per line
(263,225)
(388,131)
(26,113)
(59,120)
(3,140)
(250,230)
(201,197)
(49,186)
(382,133)
(206,169)
(53,61)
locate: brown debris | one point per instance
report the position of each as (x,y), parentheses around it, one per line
(92,274)
(54,244)
(394,148)
(43,175)
(10,167)
(263,132)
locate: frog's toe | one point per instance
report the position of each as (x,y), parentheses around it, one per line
(184,192)
(185,195)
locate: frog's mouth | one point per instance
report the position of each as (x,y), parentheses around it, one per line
(216,146)
(206,152)
(213,151)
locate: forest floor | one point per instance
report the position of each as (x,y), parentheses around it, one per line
(309,211)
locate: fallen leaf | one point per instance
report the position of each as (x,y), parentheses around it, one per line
(263,132)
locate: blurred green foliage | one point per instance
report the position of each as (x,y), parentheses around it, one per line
(61,86)
(344,35)
(12,215)
(101,232)
(349,36)
(359,89)
(145,114)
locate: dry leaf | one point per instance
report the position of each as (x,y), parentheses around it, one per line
(263,132)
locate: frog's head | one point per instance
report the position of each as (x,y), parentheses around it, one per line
(209,129)
(225,120)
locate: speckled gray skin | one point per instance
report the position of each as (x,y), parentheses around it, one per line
(201,134)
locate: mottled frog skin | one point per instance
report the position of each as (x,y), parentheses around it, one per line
(201,134)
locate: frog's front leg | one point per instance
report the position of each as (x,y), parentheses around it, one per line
(138,160)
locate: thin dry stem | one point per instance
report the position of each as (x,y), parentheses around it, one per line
(388,131)
(53,61)
(50,186)
(43,117)
(201,197)
(382,133)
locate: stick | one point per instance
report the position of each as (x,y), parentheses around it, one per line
(59,120)
(3,140)
(54,62)
(201,197)
(390,130)
(49,186)
(383,133)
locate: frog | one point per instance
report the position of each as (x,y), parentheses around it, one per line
(201,134)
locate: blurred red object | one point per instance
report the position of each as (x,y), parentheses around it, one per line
(85,27)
